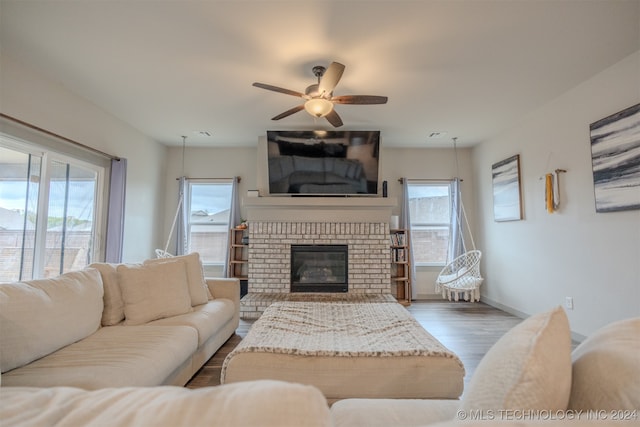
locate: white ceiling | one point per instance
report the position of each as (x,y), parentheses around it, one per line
(470,68)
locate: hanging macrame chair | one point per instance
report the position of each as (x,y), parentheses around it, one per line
(461,277)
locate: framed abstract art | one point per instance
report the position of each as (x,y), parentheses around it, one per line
(507,198)
(615,159)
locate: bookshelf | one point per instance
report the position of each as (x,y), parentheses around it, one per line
(239,256)
(400,265)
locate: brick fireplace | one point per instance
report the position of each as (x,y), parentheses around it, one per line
(325,223)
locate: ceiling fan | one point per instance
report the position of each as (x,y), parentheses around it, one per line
(319,99)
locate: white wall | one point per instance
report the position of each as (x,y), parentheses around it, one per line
(28,96)
(532,265)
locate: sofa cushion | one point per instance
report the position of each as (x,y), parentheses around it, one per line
(259,403)
(198,289)
(355,169)
(40,316)
(528,368)
(606,369)
(341,167)
(207,318)
(275,168)
(113,312)
(308,164)
(153,291)
(114,356)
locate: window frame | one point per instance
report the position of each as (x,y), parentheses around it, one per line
(189,223)
(431,225)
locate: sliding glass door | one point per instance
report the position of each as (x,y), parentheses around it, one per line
(49,212)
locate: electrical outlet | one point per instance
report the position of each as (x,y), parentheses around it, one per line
(568,303)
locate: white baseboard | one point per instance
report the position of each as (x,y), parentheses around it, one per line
(504,308)
(574,335)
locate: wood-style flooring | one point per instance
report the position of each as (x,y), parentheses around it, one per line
(467,329)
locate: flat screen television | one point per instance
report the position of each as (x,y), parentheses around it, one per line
(323,163)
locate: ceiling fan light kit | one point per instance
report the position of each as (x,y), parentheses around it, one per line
(319,99)
(318,107)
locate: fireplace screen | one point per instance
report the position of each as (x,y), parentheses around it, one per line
(319,268)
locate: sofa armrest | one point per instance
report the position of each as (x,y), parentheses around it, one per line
(225,287)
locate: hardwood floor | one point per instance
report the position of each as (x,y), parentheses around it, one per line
(467,329)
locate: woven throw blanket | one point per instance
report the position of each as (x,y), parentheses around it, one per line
(328,329)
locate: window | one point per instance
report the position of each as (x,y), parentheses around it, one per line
(430,213)
(50,208)
(209,205)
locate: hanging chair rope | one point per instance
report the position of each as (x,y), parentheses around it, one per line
(466,221)
(461,209)
(165,253)
(173,226)
(461,276)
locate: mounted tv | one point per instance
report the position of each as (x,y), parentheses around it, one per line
(323,163)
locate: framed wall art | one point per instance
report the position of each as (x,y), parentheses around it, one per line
(615,159)
(507,199)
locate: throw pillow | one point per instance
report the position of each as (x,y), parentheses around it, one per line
(606,369)
(113,312)
(528,368)
(153,291)
(38,317)
(198,289)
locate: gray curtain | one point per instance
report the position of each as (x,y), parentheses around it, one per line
(405,222)
(182,235)
(234,217)
(456,245)
(115,211)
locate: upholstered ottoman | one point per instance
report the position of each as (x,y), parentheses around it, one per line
(373,350)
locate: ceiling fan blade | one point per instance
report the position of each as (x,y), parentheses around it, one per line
(289,112)
(330,78)
(279,89)
(359,99)
(334,119)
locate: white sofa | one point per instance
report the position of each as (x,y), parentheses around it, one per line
(112,325)
(529,378)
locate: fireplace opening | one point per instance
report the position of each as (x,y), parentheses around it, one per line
(319,268)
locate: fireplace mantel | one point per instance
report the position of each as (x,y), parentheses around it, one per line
(322,209)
